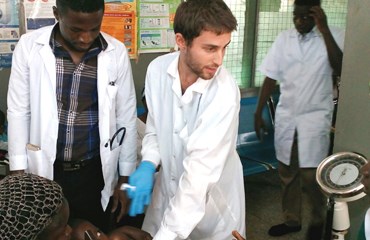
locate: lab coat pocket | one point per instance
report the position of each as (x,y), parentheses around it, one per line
(39,164)
(115,152)
(112,92)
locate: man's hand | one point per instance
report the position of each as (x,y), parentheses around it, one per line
(318,14)
(335,53)
(237,235)
(142,179)
(259,125)
(120,196)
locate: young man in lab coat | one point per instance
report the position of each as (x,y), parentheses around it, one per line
(304,61)
(70,91)
(191,131)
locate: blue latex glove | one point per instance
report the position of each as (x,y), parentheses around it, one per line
(142,179)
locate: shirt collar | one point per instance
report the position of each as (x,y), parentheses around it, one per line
(199,86)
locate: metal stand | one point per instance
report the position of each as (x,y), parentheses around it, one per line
(329,219)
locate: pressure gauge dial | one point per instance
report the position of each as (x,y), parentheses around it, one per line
(339,176)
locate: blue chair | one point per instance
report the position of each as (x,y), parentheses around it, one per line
(256,156)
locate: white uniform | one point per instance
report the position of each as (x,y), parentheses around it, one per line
(199,191)
(367,224)
(32,108)
(306,102)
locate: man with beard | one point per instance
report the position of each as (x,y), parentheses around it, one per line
(191,131)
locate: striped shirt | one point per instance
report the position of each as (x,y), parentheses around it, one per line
(77,99)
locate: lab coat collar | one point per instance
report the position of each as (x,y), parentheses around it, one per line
(314,33)
(172,69)
(44,38)
(199,86)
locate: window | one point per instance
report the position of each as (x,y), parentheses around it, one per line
(259,22)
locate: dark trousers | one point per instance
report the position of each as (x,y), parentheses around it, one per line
(293,178)
(82,188)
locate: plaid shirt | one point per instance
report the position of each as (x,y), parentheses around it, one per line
(77,99)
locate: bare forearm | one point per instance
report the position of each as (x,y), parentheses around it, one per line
(267,89)
(335,54)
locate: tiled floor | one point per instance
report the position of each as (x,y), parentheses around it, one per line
(263,203)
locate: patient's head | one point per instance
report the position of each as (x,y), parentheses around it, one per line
(32,207)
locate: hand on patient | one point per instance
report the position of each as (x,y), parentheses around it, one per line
(142,179)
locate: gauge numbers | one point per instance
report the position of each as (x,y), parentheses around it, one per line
(342,174)
(339,175)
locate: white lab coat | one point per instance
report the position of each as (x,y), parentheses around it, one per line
(32,108)
(367,224)
(306,100)
(199,191)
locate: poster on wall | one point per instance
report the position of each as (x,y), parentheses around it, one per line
(142,25)
(120,21)
(156,25)
(9,30)
(36,14)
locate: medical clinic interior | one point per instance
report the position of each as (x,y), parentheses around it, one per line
(148,34)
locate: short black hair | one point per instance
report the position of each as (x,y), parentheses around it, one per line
(86,6)
(307,2)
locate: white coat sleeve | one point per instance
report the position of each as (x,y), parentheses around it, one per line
(18,111)
(271,62)
(209,147)
(126,114)
(150,146)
